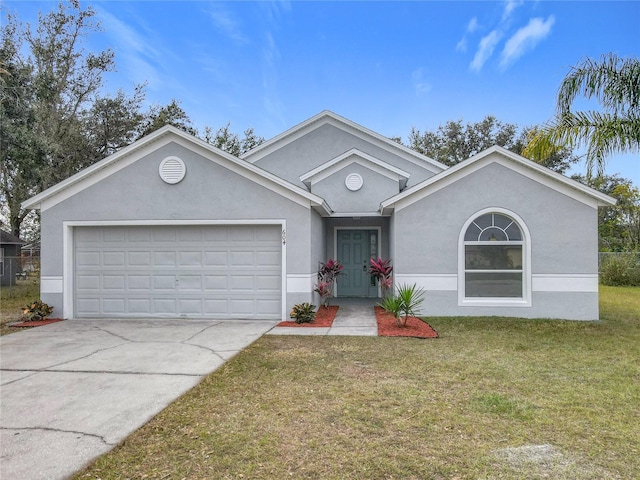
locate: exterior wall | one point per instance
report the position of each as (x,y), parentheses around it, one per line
(326,143)
(375,189)
(564,269)
(137,193)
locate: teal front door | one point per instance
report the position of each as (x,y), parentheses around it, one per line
(355,248)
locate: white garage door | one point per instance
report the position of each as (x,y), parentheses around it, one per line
(178,271)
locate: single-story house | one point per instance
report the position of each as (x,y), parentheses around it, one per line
(170,226)
(9,258)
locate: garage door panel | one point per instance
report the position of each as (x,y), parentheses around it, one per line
(114,306)
(88,259)
(165,306)
(138,306)
(216,282)
(268,283)
(212,258)
(140,259)
(164,259)
(114,282)
(172,271)
(268,307)
(88,283)
(139,282)
(190,259)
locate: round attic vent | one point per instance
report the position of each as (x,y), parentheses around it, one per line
(172,170)
(354,182)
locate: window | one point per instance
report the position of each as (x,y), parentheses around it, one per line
(494,265)
(1,262)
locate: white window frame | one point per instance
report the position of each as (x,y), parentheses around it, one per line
(525,300)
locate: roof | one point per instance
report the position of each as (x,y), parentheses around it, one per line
(140,148)
(355,156)
(327,117)
(511,160)
(8,239)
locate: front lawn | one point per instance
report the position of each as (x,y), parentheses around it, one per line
(492,398)
(13,299)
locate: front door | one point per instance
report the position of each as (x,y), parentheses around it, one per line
(355,248)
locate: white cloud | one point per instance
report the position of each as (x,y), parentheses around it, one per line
(525,39)
(472,26)
(485,50)
(142,56)
(420,85)
(226,24)
(509,7)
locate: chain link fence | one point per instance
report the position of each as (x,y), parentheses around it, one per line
(14,270)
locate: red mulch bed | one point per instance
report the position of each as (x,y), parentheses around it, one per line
(387,326)
(324,318)
(35,323)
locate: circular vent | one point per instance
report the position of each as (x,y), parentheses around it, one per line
(354,182)
(172,170)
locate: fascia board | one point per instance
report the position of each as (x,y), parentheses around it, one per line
(137,150)
(367,161)
(510,160)
(328,117)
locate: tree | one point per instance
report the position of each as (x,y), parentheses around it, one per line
(171,114)
(455,142)
(230,142)
(113,122)
(618,226)
(615,84)
(54,120)
(43,99)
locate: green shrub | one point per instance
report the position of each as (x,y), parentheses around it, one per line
(37,310)
(303,313)
(406,302)
(620,270)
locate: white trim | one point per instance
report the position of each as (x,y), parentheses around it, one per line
(441,282)
(335,247)
(68,244)
(327,117)
(525,301)
(125,157)
(300,282)
(355,214)
(342,161)
(570,282)
(508,159)
(51,284)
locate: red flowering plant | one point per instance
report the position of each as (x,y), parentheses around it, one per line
(381,270)
(327,275)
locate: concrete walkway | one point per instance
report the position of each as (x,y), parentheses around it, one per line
(355,317)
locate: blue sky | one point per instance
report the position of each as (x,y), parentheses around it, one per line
(388,66)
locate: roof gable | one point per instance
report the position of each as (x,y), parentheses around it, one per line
(355,156)
(155,140)
(508,159)
(7,238)
(327,117)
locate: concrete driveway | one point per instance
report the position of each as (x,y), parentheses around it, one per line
(72,390)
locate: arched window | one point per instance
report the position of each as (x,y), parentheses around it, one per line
(494,260)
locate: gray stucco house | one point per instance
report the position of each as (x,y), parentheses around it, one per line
(173,227)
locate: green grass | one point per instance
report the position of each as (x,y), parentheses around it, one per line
(492,398)
(13,298)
